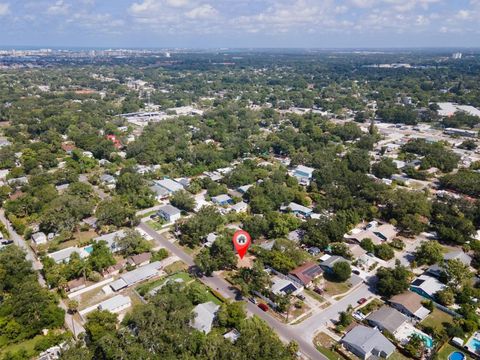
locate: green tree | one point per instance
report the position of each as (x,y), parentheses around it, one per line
(342,271)
(429,253)
(101,256)
(183,200)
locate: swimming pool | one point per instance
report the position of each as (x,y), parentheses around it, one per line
(428,341)
(474,344)
(456,355)
(88,249)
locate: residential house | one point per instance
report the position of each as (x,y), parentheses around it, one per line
(410,304)
(222,200)
(136,276)
(140,259)
(204,315)
(18,181)
(232,335)
(464,258)
(170,185)
(243,189)
(387,318)
(295,235)
(111,239)
(39,238)
(169,213)
(284,286)
(64,255)
(108,180)
(304,174)
(114,269)
(367,343)
(160,192)
(114,305)
(239,207)
(77,284)
(297,209)
(426,286)
(378,234)
(210,239)
(328,262)
(306,273)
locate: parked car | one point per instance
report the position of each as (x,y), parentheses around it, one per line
(301,297)
(252,300)
(318,290)
(263,306)
(6,242)
(362,301)
(356,272)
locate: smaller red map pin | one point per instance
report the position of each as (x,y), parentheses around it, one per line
(241,241)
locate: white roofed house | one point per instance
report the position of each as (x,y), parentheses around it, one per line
(222,200)
(114,305)
(239,207)
(367,343)
(169,213)
(427,286)
(203,316)
(304,174)
(111,239)
(64,255)
(297,209)
(108,180)
(136,276)
(170,185)
(39,238)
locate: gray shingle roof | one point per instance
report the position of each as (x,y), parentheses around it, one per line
(368,340)
(387,318)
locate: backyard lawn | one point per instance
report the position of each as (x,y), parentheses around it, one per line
(436,319)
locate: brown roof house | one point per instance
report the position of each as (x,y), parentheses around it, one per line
(140,259)
(77,284)
(307,273)
(410,304)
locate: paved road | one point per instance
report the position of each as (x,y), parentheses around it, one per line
(20,242)
(285,332)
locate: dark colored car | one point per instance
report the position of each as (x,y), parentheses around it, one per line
(252,300)
(301,297)
(356,272)
(6,242)
(318,290)
(263,306)
(362,301)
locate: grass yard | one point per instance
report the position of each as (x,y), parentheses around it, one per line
(398,356)
(447,349)
(323,343)
(336,288)
(155,225)
(177,266)
(28,345)
(314,295)
(145,288)
(436,319)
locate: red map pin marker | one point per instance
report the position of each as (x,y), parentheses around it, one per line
(241,241)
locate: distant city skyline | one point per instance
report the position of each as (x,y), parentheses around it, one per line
(240,23)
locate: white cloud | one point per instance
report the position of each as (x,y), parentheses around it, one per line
(58,8)
(204,11)
(4,9)
(178,3)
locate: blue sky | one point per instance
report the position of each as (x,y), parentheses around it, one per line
(240,23)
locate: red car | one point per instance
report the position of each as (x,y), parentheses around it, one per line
(263,306)
(362,301)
